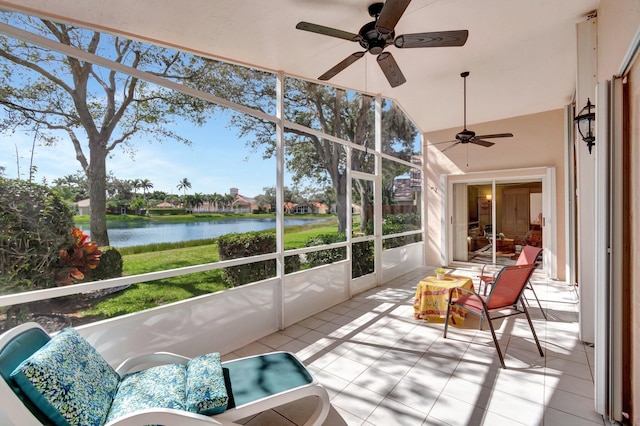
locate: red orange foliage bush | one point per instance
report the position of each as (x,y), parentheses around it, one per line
(77,261)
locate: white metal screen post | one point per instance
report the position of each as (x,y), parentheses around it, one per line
(459,225)
(609,254)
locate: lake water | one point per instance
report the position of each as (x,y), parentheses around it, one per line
(138,232)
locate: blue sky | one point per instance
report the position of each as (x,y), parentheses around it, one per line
(215,162)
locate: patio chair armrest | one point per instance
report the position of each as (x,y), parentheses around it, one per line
(464,290)
(167,417)
(152,358)
(468,291)
(494,274)
(483,268)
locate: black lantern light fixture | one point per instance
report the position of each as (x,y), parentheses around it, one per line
(586,121)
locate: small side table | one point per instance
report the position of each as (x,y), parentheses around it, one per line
(432,296)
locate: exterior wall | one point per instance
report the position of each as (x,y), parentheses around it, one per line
(538,142)
(618,22)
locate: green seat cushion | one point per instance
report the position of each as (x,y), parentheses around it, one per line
(17,350)
(257,377)
(206,391)
(68,380)
(156,387)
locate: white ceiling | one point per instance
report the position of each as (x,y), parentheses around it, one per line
(521,54)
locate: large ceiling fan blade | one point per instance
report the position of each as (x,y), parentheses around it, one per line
(481,142)
(332,32)
(432,39)
(391,69)
(390,15)
(450,146)
(497,135)
(341,65)
(441,142)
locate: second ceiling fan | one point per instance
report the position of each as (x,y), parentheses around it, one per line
(468,136)
(375,36)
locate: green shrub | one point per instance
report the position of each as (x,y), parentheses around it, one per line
(110,264)
(325,257)
(35,223)
(234,246)
(291,264)
(396,224)
(166,211)
(362,253)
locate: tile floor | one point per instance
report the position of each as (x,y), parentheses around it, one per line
(382,367)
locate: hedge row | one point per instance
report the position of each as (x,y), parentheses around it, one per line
(362,253)
(166,211)
(234,246)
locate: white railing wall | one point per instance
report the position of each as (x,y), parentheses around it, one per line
(398,261)
(228,320)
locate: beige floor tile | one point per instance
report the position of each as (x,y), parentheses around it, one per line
(357,400)
(382,367)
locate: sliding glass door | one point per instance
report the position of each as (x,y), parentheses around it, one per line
(492,220)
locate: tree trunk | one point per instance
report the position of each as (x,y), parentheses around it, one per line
(97,176)
(364,206)
(342,201)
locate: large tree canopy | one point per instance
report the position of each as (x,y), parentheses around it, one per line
(336,112)
(97,109)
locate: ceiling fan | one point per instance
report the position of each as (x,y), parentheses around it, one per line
(468,136)
(375,36)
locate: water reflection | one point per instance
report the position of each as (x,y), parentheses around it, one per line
(142,232)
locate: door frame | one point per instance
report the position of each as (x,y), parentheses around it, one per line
(549,211)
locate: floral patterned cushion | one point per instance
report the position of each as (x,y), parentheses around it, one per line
(206,392)
(68,380)
(156,387)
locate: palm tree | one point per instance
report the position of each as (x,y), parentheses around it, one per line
(184,185)
(197,200)
(208,198)
(217,200)
(145,184)
(227,200)
(135,184)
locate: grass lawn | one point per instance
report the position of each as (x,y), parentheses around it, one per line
(160,292)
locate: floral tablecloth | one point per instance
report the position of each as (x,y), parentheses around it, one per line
(432,296)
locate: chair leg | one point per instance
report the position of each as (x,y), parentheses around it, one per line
(530,287)
(533,330)
(446,319)
(495,341)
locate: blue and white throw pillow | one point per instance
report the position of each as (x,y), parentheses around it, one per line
(206,391)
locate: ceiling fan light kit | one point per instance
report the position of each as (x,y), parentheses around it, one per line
(376,35)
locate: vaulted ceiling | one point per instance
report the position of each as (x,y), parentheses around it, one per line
(521,55)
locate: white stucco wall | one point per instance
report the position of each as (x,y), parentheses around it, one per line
(538,142)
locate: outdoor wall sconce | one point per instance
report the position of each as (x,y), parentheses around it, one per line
(586,121)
